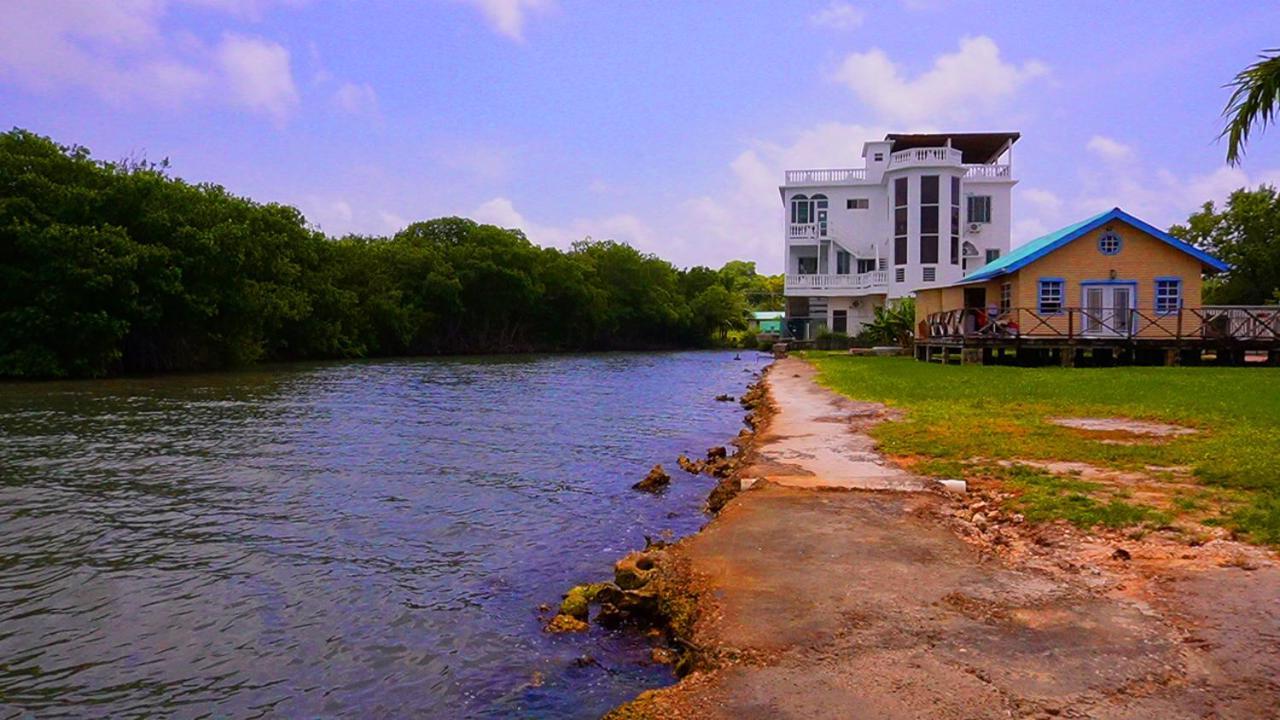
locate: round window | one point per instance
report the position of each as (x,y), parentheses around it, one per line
(1109,243)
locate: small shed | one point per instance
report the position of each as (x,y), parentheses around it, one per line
(767,322)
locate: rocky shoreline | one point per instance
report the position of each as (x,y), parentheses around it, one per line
(652,589)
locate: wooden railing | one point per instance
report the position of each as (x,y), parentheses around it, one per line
(1254,324)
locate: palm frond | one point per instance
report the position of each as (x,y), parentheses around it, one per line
(1255,101)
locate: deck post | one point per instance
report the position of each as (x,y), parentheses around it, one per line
(1172,357)
(1067,356)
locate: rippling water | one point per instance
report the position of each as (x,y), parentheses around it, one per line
(357,539)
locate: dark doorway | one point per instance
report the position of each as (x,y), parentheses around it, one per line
(975,297)
(840,321)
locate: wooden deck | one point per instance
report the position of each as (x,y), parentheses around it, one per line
(1226,334)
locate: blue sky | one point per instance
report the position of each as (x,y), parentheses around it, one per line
(663,124)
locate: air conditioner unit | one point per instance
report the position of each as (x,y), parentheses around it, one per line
(975,227)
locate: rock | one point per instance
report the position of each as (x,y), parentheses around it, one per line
(633,571)
(693,467)
(577,602)
(562,623)
(958,487)
(609,615)
(1121,554)
(717,452)
(656,480)
(980,520)
(663,656)
(724,398)
(748,483)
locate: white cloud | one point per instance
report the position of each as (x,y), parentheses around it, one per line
(959,86)
(1109,148)
(507,17)
(356,99)
(120,52)
(839,16)
(622,227)
(258,75)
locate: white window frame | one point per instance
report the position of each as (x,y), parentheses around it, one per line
(1163,298)
(984,201)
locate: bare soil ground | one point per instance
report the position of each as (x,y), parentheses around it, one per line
(819,601)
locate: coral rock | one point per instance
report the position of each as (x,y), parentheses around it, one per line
(656,480)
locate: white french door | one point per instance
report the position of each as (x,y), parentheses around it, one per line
(1107,310)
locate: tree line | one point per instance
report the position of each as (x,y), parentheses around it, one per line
(118,267)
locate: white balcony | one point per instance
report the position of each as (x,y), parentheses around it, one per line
(826,177)
(985,172)
(803,231)
(926,156)
(877,280)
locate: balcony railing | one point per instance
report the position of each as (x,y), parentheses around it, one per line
(903,158)
(926,156)
(825,177)
(803,231)
(1247,324)
(877,279)
(1002,172)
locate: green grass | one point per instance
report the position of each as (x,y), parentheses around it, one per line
(955,415)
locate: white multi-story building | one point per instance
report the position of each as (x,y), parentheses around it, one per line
(924,211)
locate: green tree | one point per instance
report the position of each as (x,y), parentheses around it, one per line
(1245,234)
(1254,101)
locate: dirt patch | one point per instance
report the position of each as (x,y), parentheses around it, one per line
(1122,431)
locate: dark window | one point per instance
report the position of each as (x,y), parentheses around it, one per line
(955,221)
(900,250)
(929,190)
(857,203)
(979,208)
(955,250)
(955,192)
(1050,297)
(900,192)
(1168,295)
(993,254)
(928,248)
(839,321)
(807,265)
(900,221)
(879,157)
(929,219)
(842,262)
(866,265)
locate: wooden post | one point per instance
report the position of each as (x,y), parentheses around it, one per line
(1172,357)
(1067,356)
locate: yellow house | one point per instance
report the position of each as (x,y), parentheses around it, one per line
(1111,276)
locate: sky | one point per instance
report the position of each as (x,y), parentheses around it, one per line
(663,124)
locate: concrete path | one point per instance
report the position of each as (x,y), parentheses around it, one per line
(864,604)
(816,439)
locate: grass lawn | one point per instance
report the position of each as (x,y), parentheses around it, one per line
(958,420)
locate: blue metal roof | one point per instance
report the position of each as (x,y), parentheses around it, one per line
(1029,252)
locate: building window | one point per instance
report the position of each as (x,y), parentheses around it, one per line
(929,219)
(820,214)
(1108,243)
(884,264)
(1168,295)
(955,221)
(807,265)
(879,157)
(866,265)
(801,210)
(1050,297)
(900,275)
(1006,297)
(929,274)
(900,221)
(842,262)
(993,254)
(857,203)
(979,208)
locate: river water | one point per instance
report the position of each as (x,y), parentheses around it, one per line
(366,539)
